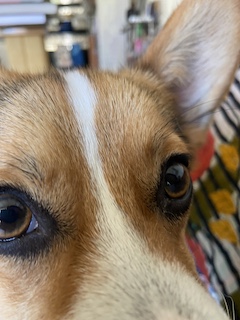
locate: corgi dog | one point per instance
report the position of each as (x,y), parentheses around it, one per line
(95,187)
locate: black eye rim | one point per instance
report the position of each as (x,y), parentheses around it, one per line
(16,209)
(28,245)
(174,209)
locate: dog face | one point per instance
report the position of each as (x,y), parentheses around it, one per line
(94,176)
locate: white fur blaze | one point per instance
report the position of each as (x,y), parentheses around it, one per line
(130,282)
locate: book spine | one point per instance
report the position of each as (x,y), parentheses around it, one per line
(22,20)
(28,8)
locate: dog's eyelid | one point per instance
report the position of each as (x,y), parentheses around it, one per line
(19,190)
(183,158)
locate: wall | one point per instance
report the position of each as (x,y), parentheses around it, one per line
(167,7)
(110,20)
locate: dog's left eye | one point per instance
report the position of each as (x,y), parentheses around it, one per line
(174,192)
(16,218)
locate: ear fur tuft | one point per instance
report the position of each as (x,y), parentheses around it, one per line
(196,55)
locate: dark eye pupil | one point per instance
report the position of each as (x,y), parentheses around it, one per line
(14,217)
(174,178)
(177,181)
(10,215)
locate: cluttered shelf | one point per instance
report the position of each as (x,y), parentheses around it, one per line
(35,34)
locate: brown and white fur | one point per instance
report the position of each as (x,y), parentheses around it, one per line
(86,152)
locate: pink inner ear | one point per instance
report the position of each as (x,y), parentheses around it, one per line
(197,59)
(204,157)
(191,93)
(192,97)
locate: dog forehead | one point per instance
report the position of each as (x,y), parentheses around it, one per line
(125,140)
(122,112)
(75,121)
(58,100)
(127,101)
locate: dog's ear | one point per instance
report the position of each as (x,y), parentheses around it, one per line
(196,55)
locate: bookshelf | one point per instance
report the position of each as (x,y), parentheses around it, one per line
(35,34)
(69,39)
(22,31)
(24,50)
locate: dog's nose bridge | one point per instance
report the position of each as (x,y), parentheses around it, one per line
(136,286)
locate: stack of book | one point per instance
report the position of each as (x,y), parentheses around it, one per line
(24,12)
(22,29)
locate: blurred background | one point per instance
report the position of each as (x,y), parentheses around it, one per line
(105,34)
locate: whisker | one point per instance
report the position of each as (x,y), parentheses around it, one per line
(231,314)
(198,105)
(233,307)
(210,112)
(206,113)
(225,303)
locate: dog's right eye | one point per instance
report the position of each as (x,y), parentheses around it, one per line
(16,218)
(175,190)
(27,227)
(177,181)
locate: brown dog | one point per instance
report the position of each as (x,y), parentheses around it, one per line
(95,185)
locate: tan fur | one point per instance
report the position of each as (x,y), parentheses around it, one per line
(140,123)
(207,29)
(154,143)
(35,138)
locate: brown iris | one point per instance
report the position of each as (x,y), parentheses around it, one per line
(177,181)
(15,217)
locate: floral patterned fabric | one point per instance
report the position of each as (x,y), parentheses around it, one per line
(215,216)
